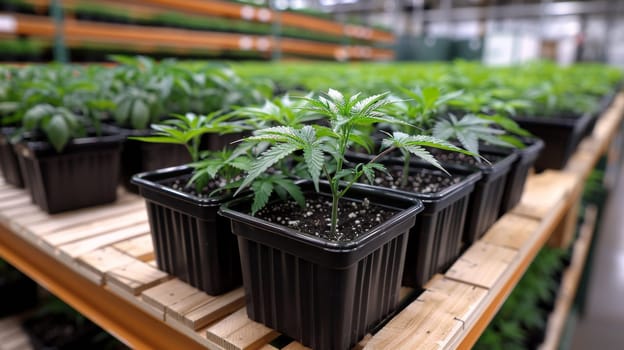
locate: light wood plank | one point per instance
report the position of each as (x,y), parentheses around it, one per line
(79,248)
(482,264)
(543,192)
(237,331)
(167,293)
(12,202)
(215,309)
(182,307)
(140,247)
(135,277)
(250,336)
(95,228)
(569,282)
(98,262)
(511,231)
(12,193)
(271,347)
(432,320)
(66,220)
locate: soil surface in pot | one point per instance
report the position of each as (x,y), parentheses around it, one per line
(354,218)
(422,181)
(463,159)
(181,184)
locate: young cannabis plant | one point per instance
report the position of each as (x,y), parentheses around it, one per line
(324,147)
(420,110)
(187,130)
(470,129)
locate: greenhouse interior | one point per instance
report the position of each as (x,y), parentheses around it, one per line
(311,174)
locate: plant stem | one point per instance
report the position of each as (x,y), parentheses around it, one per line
(334,214)
(382,154)
(406,162)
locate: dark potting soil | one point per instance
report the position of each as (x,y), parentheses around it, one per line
(355,218)
(181,184)
(463,159)
(422,181)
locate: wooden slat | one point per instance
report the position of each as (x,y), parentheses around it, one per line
(95,264)
(237,332)
(135,277)
(96,227)
(543,192)
(208,312)
(79,248)
(167,293)
(12,336)
(569,282)
(14,201)
(482,264)
(429,321)
(140,247)
(11,194)
(511,231)
(66,220)
(606,127)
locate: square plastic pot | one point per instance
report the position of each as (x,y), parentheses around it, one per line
(561,136)
(8,159)
(514,186)
(324,294)
(485,200)
(84,174)
(436,239)
(191,241)
(138,156)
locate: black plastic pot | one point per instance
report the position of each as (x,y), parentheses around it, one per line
(326,295)
(84,174)
(191,241)
(8,160)
(514,186)
(560,136)
(138,156)
(435,241)
(486,198)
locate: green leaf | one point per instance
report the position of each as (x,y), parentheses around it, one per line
(266,160)
(293,190)
(314,160)
(32,117)
(369,171)
(122,112)
(140,115)
(262,192)
(57,132)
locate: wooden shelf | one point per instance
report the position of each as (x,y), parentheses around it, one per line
(145,8)
(100,261)
(570,281)
(77,33)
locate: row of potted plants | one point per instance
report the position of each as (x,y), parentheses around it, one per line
(307,157)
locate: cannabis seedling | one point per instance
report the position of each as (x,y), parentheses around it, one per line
(318,143)
(187,130)
(420,110)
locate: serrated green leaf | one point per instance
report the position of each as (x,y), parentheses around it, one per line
(293,190)
(314,160)
(261,193)
(266,160)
